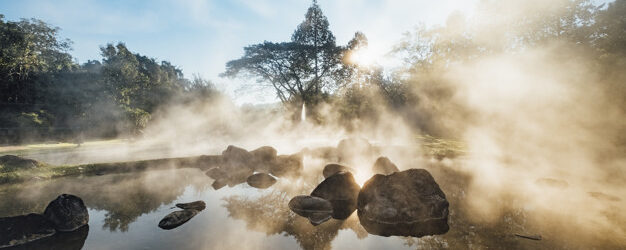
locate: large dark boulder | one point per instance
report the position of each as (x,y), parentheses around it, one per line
(177,218)
(384,166)
(333,168)
(287,165)
(407,203)
(67,212)
(261,180)
(316,209)
(197,205)
(342,191)
(23,229)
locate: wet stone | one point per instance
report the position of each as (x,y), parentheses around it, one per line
(23,229)
(384,166)
(342,191)
(316,209)
(407,203)
(261,180)
(197,205)
(67,212)
(177,218)
(333,168)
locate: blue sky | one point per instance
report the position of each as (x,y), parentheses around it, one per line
(200,36)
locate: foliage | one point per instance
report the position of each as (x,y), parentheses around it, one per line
(45,95)
(303,70)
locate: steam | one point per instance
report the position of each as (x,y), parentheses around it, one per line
(303,115)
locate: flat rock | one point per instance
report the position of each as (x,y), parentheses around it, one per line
(342,191)
(261,180)
(407,203)
(67,212)
(333,168)
(316,209)
(197,205)
(22,229)
(177,218)
(384,166)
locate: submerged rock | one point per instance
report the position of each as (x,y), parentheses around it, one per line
(316,209)
(261,180)
(177,218)
(197,205)
(74,240)
(384,166)
(287,165)
(342,191)
(23,229)
(67,212)
(333,168)
(407,203)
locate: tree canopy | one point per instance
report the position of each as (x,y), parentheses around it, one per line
(302,70)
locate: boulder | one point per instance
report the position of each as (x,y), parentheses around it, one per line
(216,173)
(23,229)
(261,180)
(287,165)
(234,157)
(317,210)
(197,205)
(384,166)
(264,157)
(177,218)
(218,184)
(333,168)
(342,191)
(407,203)
(67,212)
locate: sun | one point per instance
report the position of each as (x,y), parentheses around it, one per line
(363,57)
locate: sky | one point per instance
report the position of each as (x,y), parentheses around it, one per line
(200,36)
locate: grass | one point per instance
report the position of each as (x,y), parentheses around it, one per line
(54,147)
(45,171)
(441,148)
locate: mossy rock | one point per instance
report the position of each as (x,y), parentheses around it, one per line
(9,163)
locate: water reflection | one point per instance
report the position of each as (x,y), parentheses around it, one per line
(126,208)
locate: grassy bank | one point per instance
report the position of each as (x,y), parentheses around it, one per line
(42,171)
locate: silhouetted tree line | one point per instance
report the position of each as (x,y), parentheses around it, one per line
(44,94)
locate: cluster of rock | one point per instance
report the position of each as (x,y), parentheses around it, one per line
(66,213)
(177,218)
(257,167)
(407,203)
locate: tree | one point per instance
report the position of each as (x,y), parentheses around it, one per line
(303,70)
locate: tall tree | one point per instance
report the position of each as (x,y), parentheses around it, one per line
(303,70)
